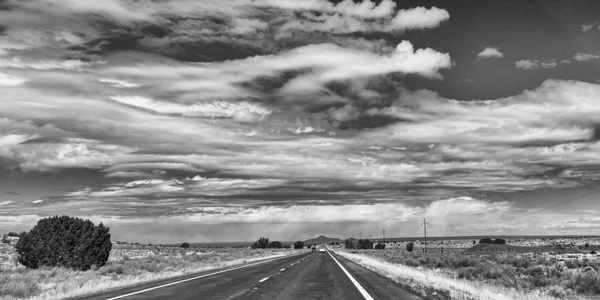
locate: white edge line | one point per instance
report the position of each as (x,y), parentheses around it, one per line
(356,284)
(264,279)
(197,277)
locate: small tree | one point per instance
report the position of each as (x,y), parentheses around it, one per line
(185,245)
(499,241)
(261,243)
(365,244)
(65,242)
(409,247)
(350,243)
(275,245)
(13,234)
(299,245)
(380,246)
(486,241)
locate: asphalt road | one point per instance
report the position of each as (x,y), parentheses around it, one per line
(320,275)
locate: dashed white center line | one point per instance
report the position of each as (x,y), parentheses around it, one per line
(282,270)
(264,279)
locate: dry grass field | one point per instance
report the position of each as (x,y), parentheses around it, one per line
(525,270)
(128,265)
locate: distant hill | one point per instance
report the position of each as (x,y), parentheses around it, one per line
(323,240)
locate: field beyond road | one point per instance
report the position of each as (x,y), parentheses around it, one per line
(128,265)
(471,275)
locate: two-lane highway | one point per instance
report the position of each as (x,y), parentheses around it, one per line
(315,275)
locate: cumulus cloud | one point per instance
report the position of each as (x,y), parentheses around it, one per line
(585,57)
(586,27)
(535,64)
(419,17)
(489,52)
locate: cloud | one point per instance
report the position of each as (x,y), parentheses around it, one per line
(489,52)
(282,119)
(419,17)
(585,57)
(535,64)
(586,27)
(69,64)
(319,64)
(119,83)
(241,111)
(8,80)
(405,19)
(364,9)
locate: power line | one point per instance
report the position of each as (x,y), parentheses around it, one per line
(424,224)
(555,205)
(547,201)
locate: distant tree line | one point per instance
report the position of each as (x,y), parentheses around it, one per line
(352,243)
(264,243)
(491,241)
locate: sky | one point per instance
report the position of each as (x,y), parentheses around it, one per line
(228,120)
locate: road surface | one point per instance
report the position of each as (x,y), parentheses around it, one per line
(313,275)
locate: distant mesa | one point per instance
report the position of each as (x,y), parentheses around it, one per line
(323,240)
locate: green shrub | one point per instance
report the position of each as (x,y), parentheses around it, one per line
(185,245)
(380,246)
(587,283)
(65,242)
(409,247)
(557,292)
(462,262)
(411,262)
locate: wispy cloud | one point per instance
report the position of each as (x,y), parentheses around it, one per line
(302,114)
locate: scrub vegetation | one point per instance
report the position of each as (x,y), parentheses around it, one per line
(488,275)
(127,265)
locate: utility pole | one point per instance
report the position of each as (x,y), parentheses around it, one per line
(424,224)
(384,235)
